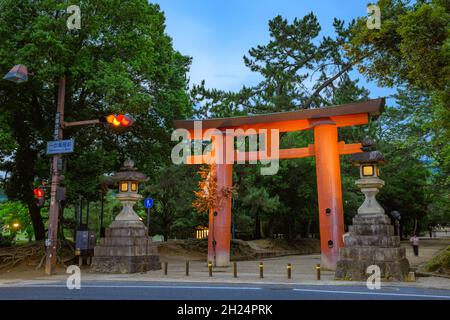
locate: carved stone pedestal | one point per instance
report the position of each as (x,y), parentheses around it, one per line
(126,248)
(371,241)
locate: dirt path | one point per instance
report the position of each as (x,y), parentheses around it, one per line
(304,264)
(427,249)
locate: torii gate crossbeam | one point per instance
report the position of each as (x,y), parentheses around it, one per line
(326,149)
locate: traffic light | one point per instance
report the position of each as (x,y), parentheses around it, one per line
(39,196)
(118,120)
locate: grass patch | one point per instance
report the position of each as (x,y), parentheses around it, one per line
(440,263)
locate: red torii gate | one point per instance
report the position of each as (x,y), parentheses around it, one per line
(326,148)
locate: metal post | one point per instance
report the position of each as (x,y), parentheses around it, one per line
(261,270)
(210,268)
(52,238)
(81,211)
(165,268)
(318,271)
(289,270)
(187,268)
(87,214)
(102,232)
(235,269)
(148,221)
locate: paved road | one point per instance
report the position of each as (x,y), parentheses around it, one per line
(127,290)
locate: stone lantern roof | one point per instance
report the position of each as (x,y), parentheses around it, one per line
(129,172)
(369,155)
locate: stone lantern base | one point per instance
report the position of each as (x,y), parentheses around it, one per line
(126,248)
(371,241)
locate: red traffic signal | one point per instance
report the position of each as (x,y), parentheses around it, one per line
(39,196)
(119,120)
(38,193)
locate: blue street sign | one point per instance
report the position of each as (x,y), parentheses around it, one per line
(60,146)
(148,203)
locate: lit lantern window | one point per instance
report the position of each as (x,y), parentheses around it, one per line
(201,232)
(367,170)
(124,186)
(133,186)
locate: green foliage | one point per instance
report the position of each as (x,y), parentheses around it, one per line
(294,58)
(440,262)
(411,47)
(299,70)
(121,62)
(407,138)
(172,190)
(12,212)
(125,62)
(411,51)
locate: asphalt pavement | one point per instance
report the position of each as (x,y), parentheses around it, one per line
(129,290)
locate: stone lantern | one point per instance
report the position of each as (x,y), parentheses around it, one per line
(370,184)
(126,247)
(371,240)
(128,179)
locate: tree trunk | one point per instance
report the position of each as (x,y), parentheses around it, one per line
(257,226)
(61,236)
(38,224)
(308,228)
(270,228)
(415,226)
(401,231)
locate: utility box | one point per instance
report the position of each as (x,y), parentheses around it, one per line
(85,243)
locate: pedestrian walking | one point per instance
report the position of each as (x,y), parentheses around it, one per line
(415,244)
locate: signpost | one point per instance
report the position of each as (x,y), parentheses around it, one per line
(60,146)
(52,238)
(148,203)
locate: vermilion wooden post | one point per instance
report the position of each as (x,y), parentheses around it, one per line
(219,236)
(220,224)
(329,191)
(326,149)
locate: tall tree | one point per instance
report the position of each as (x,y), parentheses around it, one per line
(412,51)
(172,188)
(300,70)
(120,60)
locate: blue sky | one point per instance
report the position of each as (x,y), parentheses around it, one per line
(218,33)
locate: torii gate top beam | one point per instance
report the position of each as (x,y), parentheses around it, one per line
(357,113)
(343,115)
(326,150)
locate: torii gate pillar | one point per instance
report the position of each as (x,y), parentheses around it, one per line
(329,192)
(219,237)
(326,149)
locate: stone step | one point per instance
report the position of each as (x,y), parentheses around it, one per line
(125,250)
(125,241)
(364,241)
(125,232)
(372,254)
(372,219)
(371,230)
(125,264)
(357,270)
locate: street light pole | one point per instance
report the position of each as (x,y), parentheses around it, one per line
(52,239)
